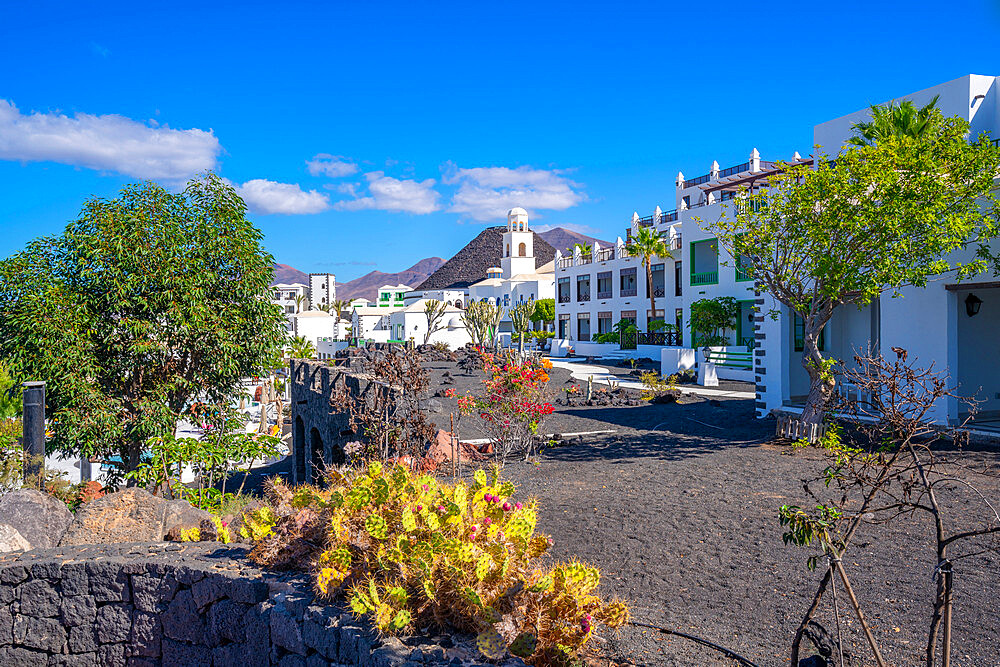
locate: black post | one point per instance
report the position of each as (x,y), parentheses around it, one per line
(33,421)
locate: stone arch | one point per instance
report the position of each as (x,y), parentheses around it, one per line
(458,303)
(317,461)
(298,449)
(522,250)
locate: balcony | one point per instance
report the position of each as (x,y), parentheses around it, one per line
(697,181)
(646,221)
(705,278)
(628,292)
(586,259)
(583,297)
(743,273)
(605,254)
(565,262)
(564,298)
(658,292)
(675,243)
(734,170)
(669,216)
(604,295)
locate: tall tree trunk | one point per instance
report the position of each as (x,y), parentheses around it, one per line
(652,299)
(821,379)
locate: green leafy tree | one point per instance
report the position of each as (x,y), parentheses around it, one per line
(545,311)
(145,302)
(10,397)
(584,248)
(711,318)
(647,244)
(301,347)
(883,217)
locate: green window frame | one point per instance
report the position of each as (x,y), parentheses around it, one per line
(799,335)
(705,277)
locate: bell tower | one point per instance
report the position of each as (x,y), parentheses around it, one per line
(518,254)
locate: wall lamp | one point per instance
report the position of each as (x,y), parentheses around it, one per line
(972,304)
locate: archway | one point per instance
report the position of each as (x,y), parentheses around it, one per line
(299,450)
(316,458)
(522,250)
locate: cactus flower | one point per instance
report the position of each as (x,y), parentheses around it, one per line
(506,507)
(487,521)
(440,508)
(420,508)
(518,506)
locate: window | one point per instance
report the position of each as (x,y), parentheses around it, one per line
(583,288)
(686,199)
(800,335)
(658,290)
(629,316)
(604,285)
(705,262)
(627,282)
(679,318)
(604,323)
(564,326)
(563,291)
(522,250)
(583,327)
(678,278)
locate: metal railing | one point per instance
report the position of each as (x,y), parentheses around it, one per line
(659,291)
(583,297)
(675,243)
(629,292)
(688,182)
(605,254)
(748,342)
(705,278)
(668,216)
(743,273)
(729,171)
(628,340)
(604,295)
(727,359)
(564,298)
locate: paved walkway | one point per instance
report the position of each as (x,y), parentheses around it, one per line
(580,370)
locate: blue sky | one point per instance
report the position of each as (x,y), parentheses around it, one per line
(369,135)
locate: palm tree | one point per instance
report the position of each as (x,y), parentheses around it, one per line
(301,347)
(584,248)
(648,243)
(300,301)
(896,120)
(339,306)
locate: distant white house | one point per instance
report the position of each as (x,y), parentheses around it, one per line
(392,296)
(285,295)
(516,280)
(313,325)
(411,324)
(371,323)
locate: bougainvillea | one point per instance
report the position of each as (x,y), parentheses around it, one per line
(513,403)
(410,552)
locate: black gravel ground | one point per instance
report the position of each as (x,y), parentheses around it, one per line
(679,508)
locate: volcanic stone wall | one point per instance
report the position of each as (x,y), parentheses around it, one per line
(192,604)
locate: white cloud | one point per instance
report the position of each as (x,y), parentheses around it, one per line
(391,194)
(487,193)
(110,142)
(264,196)
(334,166)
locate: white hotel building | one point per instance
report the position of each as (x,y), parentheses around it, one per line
(952,325)
(593,293)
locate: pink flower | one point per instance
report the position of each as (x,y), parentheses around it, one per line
(487,521)
(518,506)
(440,508)
(426,488)
(506,507)
(420,508)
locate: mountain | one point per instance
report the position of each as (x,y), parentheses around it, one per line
(367,285)
(287,274)
(562,239)
(483,252)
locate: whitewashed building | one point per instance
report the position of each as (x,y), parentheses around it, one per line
(410,323)
(322,290)
(517,279)
(287,295)
(952,324)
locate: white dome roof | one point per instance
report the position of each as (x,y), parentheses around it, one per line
(455,322)
(517,210)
